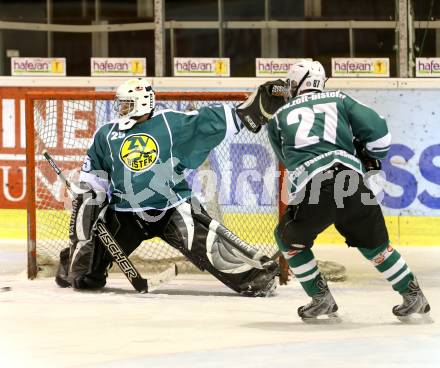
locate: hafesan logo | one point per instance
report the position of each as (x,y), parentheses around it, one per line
(360,67)
(139,152)
(23,66)
(130,67)
(201,67)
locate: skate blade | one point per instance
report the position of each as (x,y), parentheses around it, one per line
(325,319)
(416,319)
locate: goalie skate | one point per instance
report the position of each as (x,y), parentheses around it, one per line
(322,309)
(415,307)
(268,290)
(264,284)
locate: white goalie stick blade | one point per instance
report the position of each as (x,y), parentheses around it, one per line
(326,319)
(157,280)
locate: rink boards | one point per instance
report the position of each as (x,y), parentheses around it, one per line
(403,230)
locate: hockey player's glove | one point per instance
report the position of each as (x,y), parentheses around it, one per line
(262,104)
(368,162)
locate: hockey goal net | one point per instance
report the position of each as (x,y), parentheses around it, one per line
(244,194)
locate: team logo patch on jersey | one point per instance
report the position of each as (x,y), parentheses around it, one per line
(139,152)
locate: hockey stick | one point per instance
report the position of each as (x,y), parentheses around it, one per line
(118,255)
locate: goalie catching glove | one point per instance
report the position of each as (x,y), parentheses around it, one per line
(368,162)
(262,104)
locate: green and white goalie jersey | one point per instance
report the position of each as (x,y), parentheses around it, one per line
(142,168)
(314,131)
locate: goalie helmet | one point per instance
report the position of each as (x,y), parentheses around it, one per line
(134,98)
(305,75)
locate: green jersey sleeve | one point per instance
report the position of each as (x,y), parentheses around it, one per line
(197,132)
(369,127)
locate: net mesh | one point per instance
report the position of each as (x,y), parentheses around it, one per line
(237,183)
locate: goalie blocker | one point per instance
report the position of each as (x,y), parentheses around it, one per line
(84,264)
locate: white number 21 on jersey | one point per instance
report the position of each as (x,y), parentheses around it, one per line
(305,117)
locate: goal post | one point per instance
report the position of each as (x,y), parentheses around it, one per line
(244,194)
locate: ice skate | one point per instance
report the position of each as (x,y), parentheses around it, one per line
(266,291)
(415,307)
(322,308)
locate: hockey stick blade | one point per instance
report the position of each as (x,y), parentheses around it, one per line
(157,280)
(140,284)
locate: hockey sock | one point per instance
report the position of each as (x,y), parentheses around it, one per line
(391,265)
(304,267)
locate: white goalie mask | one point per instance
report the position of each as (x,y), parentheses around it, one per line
(134,98)
(305,75)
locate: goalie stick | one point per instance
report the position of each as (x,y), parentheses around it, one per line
(118,255)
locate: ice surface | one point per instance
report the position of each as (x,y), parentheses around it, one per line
(194,321)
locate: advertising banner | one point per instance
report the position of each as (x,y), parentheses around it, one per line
(274,67)
(412,167)
(201,67)
(360,67)
(428,67)
(118,67)
(27,66)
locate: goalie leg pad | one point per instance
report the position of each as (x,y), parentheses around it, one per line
(83,265)
(206,250)
(61,277)
(89,268)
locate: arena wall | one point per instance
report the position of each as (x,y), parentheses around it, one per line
(411,187)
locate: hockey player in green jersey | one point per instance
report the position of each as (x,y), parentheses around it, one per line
(315,135)
(134,169)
